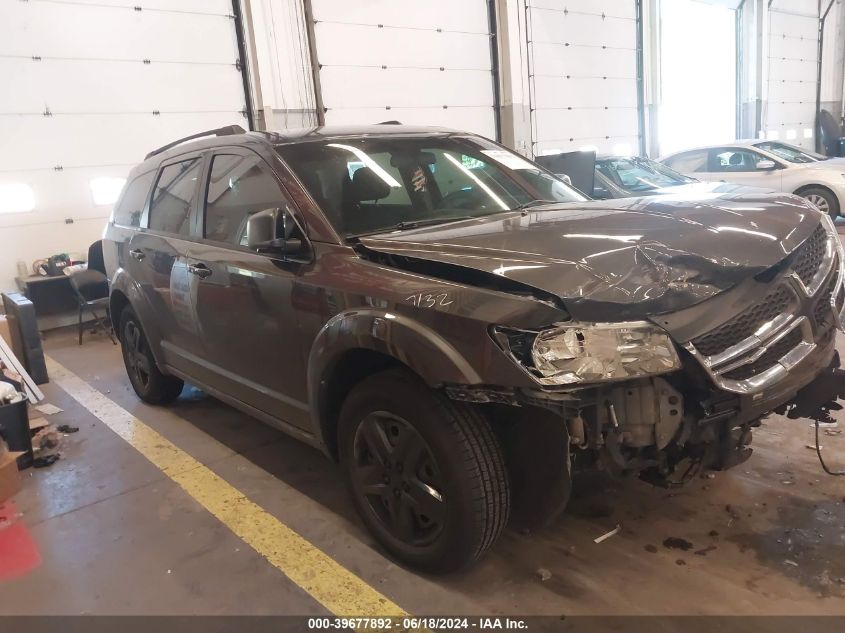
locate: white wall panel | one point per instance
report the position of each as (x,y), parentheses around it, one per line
(583,74)
(89,88)
(420,63)
(793,70)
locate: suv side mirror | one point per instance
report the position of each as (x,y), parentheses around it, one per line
(766,164)
(271,230)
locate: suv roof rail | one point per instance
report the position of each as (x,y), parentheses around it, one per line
(389,123)
(229,130)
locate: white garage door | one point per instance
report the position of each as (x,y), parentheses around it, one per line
(793,70)
(89,87)
(583,75)
(424,63)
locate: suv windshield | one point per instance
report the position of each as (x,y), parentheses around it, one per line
(790,152)
(637,174)
(372,185)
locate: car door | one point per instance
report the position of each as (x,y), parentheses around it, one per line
(158,261)
(739,165)
(245,300)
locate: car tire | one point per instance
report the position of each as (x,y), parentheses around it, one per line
(151,385)
(426,474)
(824,199)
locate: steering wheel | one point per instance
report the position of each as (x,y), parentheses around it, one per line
(461,199)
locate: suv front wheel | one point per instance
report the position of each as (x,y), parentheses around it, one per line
(426,474)
(151,385)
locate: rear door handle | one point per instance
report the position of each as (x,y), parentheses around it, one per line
(137,254)
(200,270)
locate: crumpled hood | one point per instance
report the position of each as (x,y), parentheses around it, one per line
(620,259)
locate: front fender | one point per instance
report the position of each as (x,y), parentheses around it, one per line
(419,347)
(415,345)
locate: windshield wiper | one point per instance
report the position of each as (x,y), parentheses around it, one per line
(533,203)
(413,224)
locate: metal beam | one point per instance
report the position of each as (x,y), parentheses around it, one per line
(640,79)
(819,77)
(237,12)
(315,64)
(494,67)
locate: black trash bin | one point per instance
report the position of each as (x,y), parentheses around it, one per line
(14,429)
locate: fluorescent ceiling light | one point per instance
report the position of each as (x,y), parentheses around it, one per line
(16,197)
(773,135)
(622,149)
(808,132)
(791,134)
(106,190)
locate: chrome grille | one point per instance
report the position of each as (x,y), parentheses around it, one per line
(746,324)
(759,346)
(772,355)
(810,256)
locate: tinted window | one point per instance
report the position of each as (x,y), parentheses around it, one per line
(689,162)
(131,205)
(375,184)
(239,186)
(725,159)
(174,196)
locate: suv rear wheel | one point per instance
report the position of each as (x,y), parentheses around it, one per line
(151,385)
(426,474)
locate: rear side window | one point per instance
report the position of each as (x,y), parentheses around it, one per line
(239,186)
(174,196)
(689,162)
(131,206)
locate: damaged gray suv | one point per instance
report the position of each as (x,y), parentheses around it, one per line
(459,328)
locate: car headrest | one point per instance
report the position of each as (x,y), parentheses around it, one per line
(367,185)
(736,159)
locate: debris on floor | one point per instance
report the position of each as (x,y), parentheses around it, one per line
(604,537)
(673,542)
(543,574)
(67,428)
(45,461)
(47,408)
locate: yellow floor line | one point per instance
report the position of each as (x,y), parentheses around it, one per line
(328,582)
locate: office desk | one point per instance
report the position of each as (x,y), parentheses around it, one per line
(49,295)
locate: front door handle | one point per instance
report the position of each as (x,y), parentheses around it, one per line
(200,270)
(137,254)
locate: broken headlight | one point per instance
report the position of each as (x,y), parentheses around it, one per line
(582,353)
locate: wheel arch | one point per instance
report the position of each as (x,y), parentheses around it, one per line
(125,291)
(354,345)
(817,185)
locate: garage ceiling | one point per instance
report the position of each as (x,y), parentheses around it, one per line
(793,71)
(583,74)
(419,63)
(135,75)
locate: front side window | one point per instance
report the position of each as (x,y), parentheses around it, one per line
(639,174)
(789,152)
(689,162)
(174,197)
(378,184)
(735,160)
(239,186)
(130,207)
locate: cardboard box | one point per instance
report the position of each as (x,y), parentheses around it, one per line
(5,331)
(10,479)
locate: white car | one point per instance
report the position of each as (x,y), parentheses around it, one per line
(772,164)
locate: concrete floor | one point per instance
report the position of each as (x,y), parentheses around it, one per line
(116,536)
